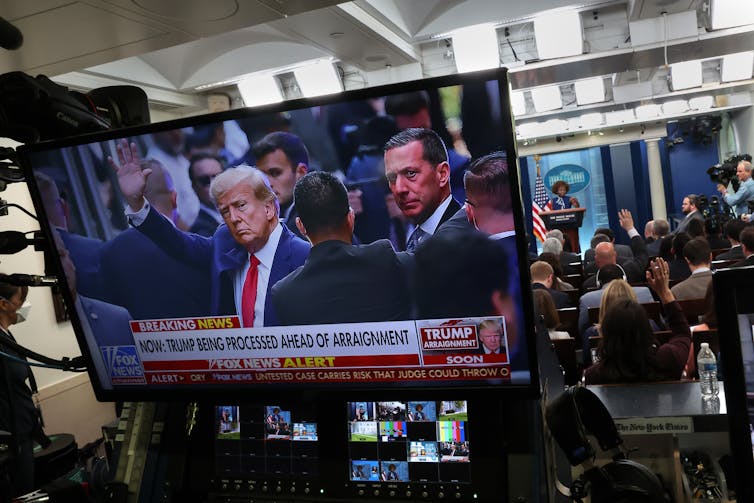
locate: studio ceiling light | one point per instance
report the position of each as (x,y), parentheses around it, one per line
(737,66)
(546,98)
(476,48)
(318,78)
(590,120)
(675,107)
(518,103)
(648,111)
(558,34)
(686,75)
(730,13)
(590,91)
(259,90)
(701,103)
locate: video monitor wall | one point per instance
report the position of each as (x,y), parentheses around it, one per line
(156,293)
(265,441)
(402,442)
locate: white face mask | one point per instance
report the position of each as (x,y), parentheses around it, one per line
(22,314)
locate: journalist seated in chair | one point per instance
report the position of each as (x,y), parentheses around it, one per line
(629,352)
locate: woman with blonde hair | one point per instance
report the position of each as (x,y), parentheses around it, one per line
(615,290)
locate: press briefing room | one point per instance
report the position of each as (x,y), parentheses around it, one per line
(376,250)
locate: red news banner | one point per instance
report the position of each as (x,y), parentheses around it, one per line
(217,350)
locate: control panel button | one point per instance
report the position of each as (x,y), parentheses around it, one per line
(441,495)
(408,494)
(425,494)
(361,492)
(376,492)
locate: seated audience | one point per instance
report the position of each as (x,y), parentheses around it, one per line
(679,268)
(648,238)
(604,276)
(558,282)
(621,250)
(698,256)
(606,253)
(542,277)
(660,229)
(747,247)
(544,306)
(566,257)
(733,233)
(629,351)
(708,320)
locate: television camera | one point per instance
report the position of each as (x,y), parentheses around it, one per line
(716,213)
(725,172)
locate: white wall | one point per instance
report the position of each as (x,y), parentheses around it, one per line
(743,125)
(67,399)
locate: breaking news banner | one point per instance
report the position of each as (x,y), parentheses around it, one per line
(215,350)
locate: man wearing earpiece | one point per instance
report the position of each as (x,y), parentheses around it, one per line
(605,254)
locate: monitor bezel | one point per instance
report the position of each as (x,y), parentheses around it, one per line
(184,392)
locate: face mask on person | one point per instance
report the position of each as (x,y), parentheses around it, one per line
(22,313)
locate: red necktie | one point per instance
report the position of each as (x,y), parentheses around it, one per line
(249,293)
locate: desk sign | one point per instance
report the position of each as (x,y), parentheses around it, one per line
(654,425)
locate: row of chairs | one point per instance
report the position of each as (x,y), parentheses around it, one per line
(567,351)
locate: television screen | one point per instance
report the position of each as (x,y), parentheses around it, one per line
(184,273)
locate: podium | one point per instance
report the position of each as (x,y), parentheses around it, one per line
(568,221)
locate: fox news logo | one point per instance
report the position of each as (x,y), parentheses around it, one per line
(123,364)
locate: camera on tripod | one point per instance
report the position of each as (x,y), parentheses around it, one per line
(725,172)
(715,212)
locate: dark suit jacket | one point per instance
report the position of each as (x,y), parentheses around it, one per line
(221,256)
(735,252)
(620,250)
(150,283)
(653,248)
(86,256)
(458,222)
(747,261)
(634,266)
(343,283)
(205,224)
(109,323)
(568,258)
(560,299)
(685,222)
(290,222)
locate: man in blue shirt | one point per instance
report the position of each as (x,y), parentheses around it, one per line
(745,192)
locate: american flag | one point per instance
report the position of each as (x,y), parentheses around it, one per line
(539,203)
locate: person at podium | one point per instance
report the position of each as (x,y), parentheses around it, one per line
(560,201)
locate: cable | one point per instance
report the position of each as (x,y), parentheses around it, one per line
(32,215)
(665,48)
(64,364)
(515,56)
(43,365)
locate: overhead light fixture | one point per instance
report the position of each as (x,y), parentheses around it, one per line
(528,129)
(737,66)
(675,107)
(318,78)
(648,111)
(619,117)
(546,98)
(258,90)
(590,91)
(686,75)
(518,102)
(701,103)
(554,126)
(730,13)
(558,34)
(590,120)
(476,48)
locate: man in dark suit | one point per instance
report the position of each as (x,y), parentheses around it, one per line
(542,277)
(689,209)
(339,282)
(621,250)
(490,337)
(698,256)
(747,247)
(733,233)
(156,285)
(245,257)
(417,170)
(85,251)
(284,159)
(605,254)
(203,168)
(660,229)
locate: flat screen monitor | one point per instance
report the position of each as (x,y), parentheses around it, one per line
(734,304)
(157,294)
